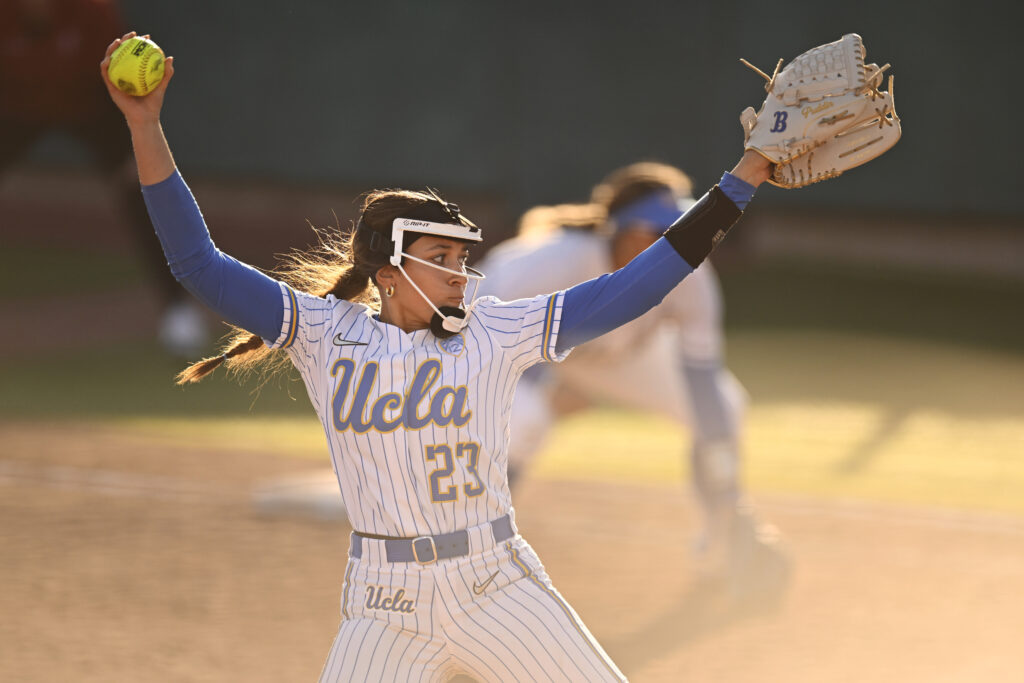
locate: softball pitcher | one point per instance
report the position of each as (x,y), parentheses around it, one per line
(412,380)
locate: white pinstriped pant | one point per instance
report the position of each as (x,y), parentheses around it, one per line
(407,622)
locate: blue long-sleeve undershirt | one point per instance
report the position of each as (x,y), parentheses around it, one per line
(240,294)
(251,300)
(598,306)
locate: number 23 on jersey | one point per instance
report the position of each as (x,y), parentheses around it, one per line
(468,455)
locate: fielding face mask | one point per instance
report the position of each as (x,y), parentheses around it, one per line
(448,319)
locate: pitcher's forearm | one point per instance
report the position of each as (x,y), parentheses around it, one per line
(152,154)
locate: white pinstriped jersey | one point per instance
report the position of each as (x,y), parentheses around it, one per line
(417,427)
(524,267)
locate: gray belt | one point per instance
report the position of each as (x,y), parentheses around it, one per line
(430,549)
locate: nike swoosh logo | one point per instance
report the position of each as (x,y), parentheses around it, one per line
(339,340)
(479,589)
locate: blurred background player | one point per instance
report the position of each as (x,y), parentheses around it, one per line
(48,85)
(669,362)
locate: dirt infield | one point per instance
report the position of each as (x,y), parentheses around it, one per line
(125,560)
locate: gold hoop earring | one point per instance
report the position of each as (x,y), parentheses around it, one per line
(389,291)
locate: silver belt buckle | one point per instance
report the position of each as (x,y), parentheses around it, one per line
(416,550)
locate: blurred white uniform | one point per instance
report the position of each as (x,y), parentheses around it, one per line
(640,365)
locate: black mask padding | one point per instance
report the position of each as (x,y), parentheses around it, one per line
(437,322)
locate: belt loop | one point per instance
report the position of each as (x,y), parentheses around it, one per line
(355,546)
(503,528)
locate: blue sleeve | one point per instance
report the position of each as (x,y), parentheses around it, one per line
(597,306)
(738,191)
(238,293)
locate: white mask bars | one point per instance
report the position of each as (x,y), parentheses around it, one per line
(452,231)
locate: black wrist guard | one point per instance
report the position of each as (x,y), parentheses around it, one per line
(699,230)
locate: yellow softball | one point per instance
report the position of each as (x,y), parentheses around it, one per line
(136,66)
